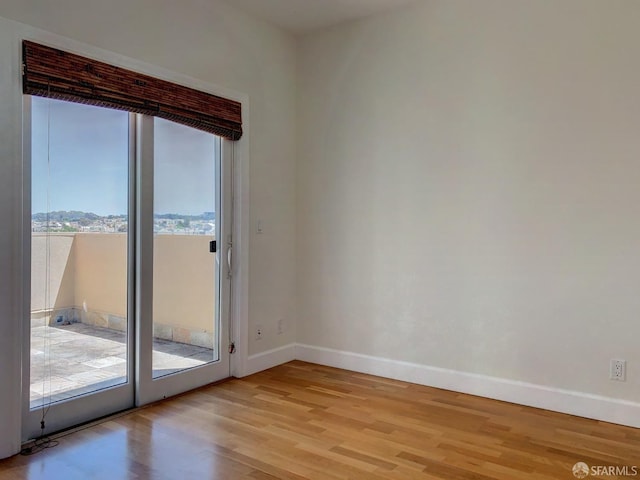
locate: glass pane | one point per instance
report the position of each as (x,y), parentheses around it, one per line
(184,270)
(79,259)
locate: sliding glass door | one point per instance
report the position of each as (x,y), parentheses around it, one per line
(184,214)
(128,292)
(80,335)
(183,289)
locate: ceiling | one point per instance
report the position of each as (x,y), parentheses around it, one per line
(304,16)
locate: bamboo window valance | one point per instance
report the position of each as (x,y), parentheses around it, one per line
(53,73)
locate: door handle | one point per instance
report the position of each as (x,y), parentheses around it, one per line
(229,258)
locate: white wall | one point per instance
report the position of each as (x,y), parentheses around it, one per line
(10,264)
(205,40)
(469,190)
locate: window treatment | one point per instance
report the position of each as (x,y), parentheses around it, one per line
(53,73)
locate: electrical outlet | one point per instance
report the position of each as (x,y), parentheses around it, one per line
(618,370)
(281,326)
(259,332)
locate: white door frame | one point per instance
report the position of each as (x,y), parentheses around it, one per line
(141,388)
(101,402)
(149,389)
(240,280)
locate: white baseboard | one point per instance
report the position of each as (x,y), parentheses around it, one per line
(269,359)
(622,412)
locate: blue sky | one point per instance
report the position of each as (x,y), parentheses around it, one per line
(86,149)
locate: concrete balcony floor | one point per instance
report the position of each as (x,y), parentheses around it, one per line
(72,360)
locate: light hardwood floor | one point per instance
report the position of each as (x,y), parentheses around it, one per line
(304,421)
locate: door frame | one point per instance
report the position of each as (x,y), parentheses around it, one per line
(103,401)
(140,387)
(239,321)
(147,388)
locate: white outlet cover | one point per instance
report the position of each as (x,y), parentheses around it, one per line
(618,369)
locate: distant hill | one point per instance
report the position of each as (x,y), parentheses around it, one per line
(64,216)
(76,216)
(177,216)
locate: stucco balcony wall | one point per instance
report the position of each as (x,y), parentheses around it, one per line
(82,278)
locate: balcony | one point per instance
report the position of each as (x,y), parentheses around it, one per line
(79,310)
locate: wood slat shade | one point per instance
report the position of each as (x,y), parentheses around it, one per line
(53,73)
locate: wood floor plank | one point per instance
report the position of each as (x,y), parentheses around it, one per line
(304,421)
